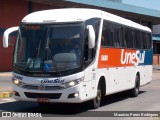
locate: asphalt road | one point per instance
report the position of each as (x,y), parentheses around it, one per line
(148,100)
(5,83)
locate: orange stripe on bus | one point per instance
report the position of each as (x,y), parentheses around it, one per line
(111,57)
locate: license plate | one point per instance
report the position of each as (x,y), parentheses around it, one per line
(43,100)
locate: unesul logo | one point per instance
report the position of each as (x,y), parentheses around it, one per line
(52,81)
(132,58)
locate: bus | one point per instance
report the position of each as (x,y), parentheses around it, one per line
(75,55)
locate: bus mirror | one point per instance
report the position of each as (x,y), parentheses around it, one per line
(91,36)
(6,35)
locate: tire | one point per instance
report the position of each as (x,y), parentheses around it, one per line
(96,102)
(135,91)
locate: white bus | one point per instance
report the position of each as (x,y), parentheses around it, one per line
(75,55)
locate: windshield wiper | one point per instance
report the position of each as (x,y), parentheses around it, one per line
(53,62)
(36,53)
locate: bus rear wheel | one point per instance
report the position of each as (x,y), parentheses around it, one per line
(96,102)
(135,91)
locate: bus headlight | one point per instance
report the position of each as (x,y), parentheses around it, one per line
(73,83)
(17,82)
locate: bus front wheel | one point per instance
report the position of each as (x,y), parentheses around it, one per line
(96,102)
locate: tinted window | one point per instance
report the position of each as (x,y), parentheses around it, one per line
(118,35)
(107,34)
(89,54)
(128,34)
(137,40)
(144,40)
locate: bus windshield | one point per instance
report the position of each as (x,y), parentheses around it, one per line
(49,48)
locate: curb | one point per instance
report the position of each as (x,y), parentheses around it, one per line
(5,95)
(5,74)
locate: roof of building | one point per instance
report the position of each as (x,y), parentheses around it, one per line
(138,14)
(124,9)
(119,6)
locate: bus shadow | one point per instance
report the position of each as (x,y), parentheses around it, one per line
(117,97)
(55,109)
(58,109)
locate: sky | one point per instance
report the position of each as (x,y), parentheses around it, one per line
(151,4)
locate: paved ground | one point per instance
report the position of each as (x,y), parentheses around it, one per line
(156,67)
(5,81)
(5,84)
(148,100)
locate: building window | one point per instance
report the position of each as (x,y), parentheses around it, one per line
(156,47)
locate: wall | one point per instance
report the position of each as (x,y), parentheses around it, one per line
(156,29)
(11,14)
(156,45)
(156,59)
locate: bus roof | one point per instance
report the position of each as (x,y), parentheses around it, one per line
(77,15)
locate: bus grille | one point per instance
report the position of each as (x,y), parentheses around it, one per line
(43,95)
(37,87)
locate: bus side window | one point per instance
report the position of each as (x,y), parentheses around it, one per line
(86,50)
(144,39)
(89,54)
(137,40)
(96,29)
(118,32)
(107,33)
(128,37)
(123,42)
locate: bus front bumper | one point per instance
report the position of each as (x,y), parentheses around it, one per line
(75,94)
